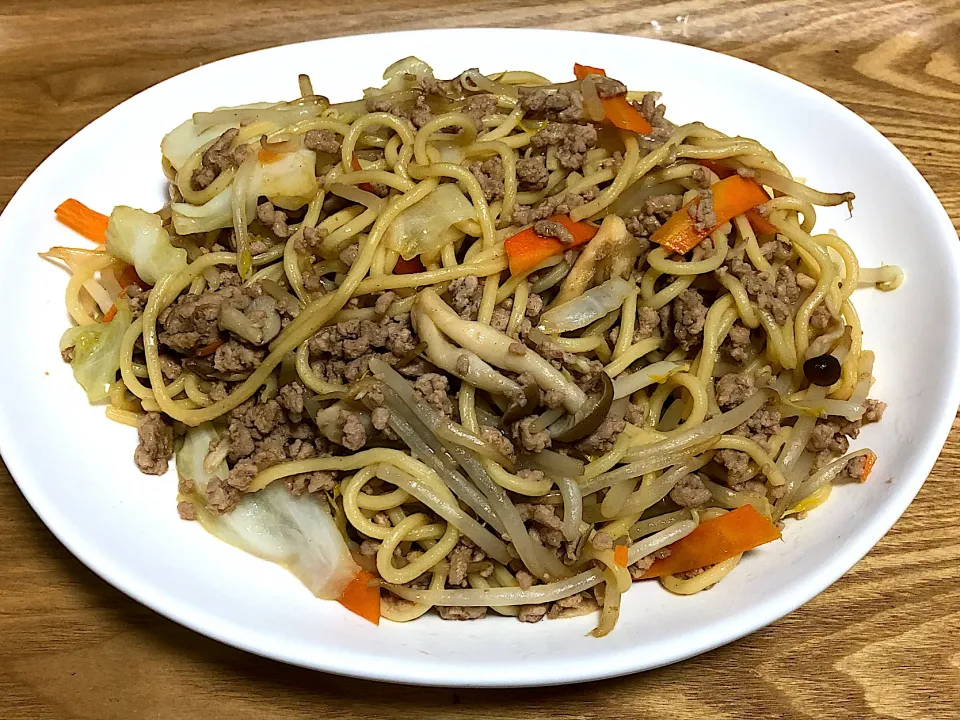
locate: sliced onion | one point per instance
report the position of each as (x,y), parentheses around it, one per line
(660,540)
(592,305)
(287,144)
(592,106)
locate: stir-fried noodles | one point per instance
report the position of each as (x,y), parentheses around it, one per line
(485,344)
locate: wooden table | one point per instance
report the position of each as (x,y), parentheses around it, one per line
(883,642)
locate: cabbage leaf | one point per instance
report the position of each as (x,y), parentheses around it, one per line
(138,238)
(96,352)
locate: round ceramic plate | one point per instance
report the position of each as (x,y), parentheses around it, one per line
(76,469)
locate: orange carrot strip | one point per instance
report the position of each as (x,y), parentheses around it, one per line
(867,467)
(732,196)
(357,168)
(362,598)
(209,349)
(759,223)
(77,216)
(526,249)
(109,314)
(128,276)
(620,555)
(406,267)
(619,111)
(715,541)
(268,156)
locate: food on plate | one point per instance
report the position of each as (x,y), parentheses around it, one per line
(488,344)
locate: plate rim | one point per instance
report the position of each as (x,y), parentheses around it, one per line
(769,611)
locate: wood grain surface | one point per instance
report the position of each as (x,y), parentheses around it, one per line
(884,642)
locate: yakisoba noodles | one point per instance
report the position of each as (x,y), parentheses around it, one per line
(485,344)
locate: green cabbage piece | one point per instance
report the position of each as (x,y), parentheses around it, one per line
(297,533)
(427,226)
(137,237)
(96,352)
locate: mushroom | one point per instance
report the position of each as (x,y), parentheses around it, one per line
(613,249)
(577,426)
(493,346)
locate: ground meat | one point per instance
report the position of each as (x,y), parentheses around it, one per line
(291,396)
(322,141)
(273,218)
(380,418)
(648,321)
(855,468)
(528,438)
(459,560)
(690,315)
(191,323)
(778,251)
(733,388)
(643,564)
(489,174)
(480,107)
(690,492)
(601,541)
(498,440)
(656,210)
(760,427)
(553,229)
(532,613)
(776,293)
(602,439)
(821,318)
(217,158)
(236,357)
(455,612)
(353,435)
(312,482)
(342,352)
(737,344)
(435,390)
(702,212)
(572,142)
(186,510)
(559,204)
(564,105)
(532,173)
(156,445)
(608,87)
(465,295)
(635,415)
(736,463)
(419,113)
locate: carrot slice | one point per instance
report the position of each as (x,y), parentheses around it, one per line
(620,555)
(109,314)
(759,223)
(362,598)
(209,349)
(128,276)
(406,267)
(715,541)
(268,156)
(732,196)
(77,216)
(619,111)
(526,249)
(867,467)
(355,163)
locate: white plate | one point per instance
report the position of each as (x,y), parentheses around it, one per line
(76,468)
